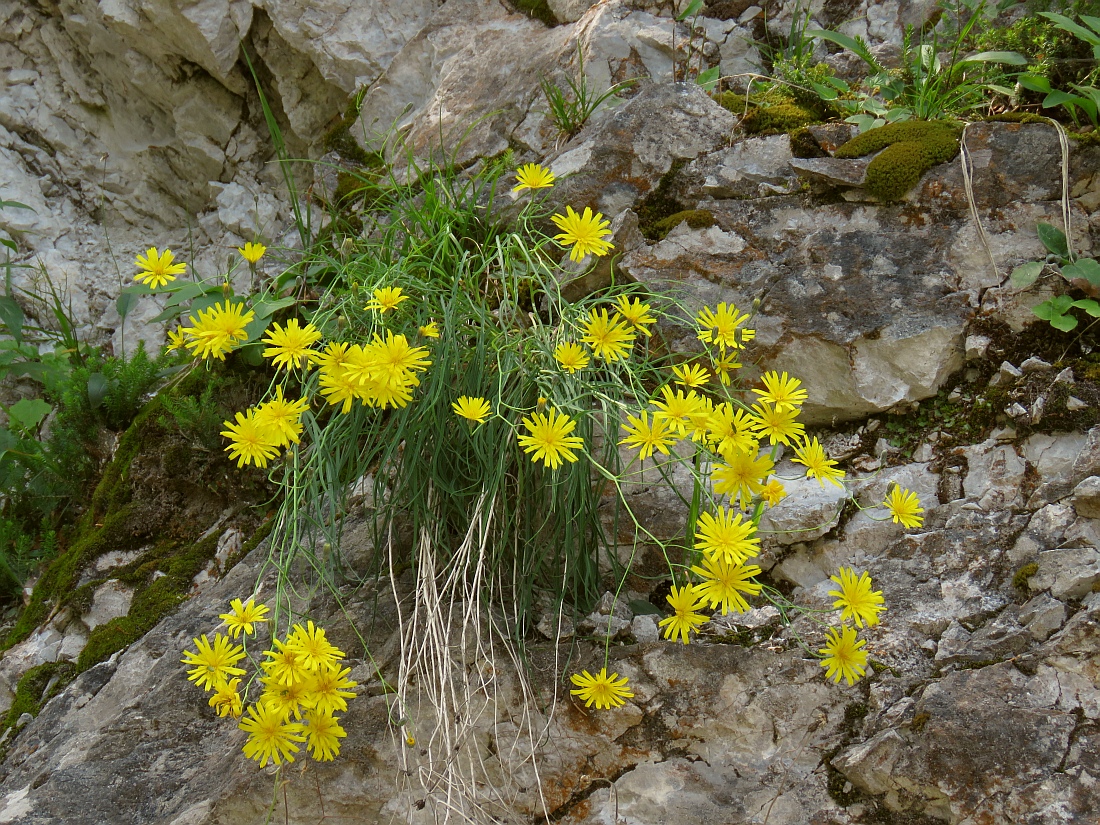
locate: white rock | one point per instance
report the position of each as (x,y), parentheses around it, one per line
(1053,455)
(994,477)
(808,511)
(1086,497)
(109,601)
(644,629)
(1043,616)
(1068,572)
(976,346)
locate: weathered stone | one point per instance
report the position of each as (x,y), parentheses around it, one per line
(976,346)
(832,171)
(809,510)
(1068,572)
(1086,497)
(753,168)
(644,629)
(109,601)
(995,476)
(1042,616)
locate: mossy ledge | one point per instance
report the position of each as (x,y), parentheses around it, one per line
(909,149)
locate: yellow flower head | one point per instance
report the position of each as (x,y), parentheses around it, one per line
(386,298)
(646,436)
(724,364)
(732,429)
(691,375)
(533,176)
(677,409)
(585,233)
(157,269)
(330,689)
(742,476)
(270,738)
(290,346)
(904,507)
(571,356)
(226,701)
(721,326)
(609,337)
(773,492)
(252,252)
(636,313)
(218,329)
(685,602)
(726,537)
(601,690)
(213,663)
(780,426)
(323,735)
(548,438)
(177,340)
(281,418)
(723,583)
(314,650)
(843,655)
(430,330)
(782,391)
(473,408)
(860,604)
(818,465)
(250,441)
(243,616)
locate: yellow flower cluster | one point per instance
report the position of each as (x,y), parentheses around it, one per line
(843,654)
(261,431)
(303,687)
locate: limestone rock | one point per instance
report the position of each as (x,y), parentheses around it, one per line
(994,477)
(757,167)
(109,601)
(1086,497)
(1068,572)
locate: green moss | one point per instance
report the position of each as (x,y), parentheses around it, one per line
(732,102)
(919,721)
(338,139)
(1017,117)
(1085,138)
(783,117)
(659,204)
(695,218)
(805,145)
(31,695)
(909,149)
(1019,581)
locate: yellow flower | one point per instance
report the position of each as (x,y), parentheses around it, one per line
(226,700)
(386,298)
(608,336)
(549,438)
(472,408)
(647,437)
(218,329)
(691,375)
(177,339)
(288,700)
(779,426)
(721,327)
(330,689)
(601,690)
(742,477)
(904,506)
(636,313)
(334,356)
(157,269)
(281,418)
(677,409)
(723,583)
(533,176)
(323,735)
(284,664)
(818,465)
(571,356)
(726,538)
(242,617)
(250,441)
(430,330)
(782,391)
(585,233)
(213,663)
(732,429)
(269,737)
(843,655)
(291,345)
(314,649)
(860,604)
(773,492)
(252,252)
(339,387)
(724,364)
(685,601)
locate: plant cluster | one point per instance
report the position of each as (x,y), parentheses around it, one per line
(1083,274)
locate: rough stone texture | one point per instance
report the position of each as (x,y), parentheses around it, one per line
(109,601)
(1068,572)
(1086,497)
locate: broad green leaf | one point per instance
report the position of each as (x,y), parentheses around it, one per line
(1085,268)
(1026,274)
(11,315)
(125,302)
(1035,83)
(825,92)
(10,244)
(1063,322)
(709,79)
(644,608)
(252,354)
(1054,239)
(1060,98)
(1007,58)
(28,413)
(257,327)
(1066,24)
(97,389)
(1088,305)
(169,314)
(144,289)
(266,307)
(188,292)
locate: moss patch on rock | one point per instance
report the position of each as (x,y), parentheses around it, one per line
(695,218)
(782,117)
(659,204)
(908,150)
(805,145)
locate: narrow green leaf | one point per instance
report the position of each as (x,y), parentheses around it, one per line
(124,303)
(693,8)
(97,389)
(1006,58)
(1026,274)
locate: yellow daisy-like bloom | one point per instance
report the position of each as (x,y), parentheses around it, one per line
(721,326)
(691,375)
(818,465)
(585,233)
(270,738)
(339,387)
(242,617)
(177,340)
(213,663)
(313,648)
(284,664)
(330,689)
(157,269)
(385,299)
(532,176)
(281,418)
(472,408)
(742,476)
(333,357)
(218,329)
(860,604)
(726,538)
(609,336)
(396,362)
(647,437)
(430,330)
(290,346)
(571,356)
(677,409)
(250,441)
(226,701)
(601,690)
(780,426)
(323,735)
(549,438)
(773,492)
(723,583)
(904,506)
(287,700)
(685,602)
(636,313)
(732,429)
(724,364)
(782,391)
(252,252)
(843,655)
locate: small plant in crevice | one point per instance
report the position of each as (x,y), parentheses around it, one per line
(1083,274)
(570,108)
